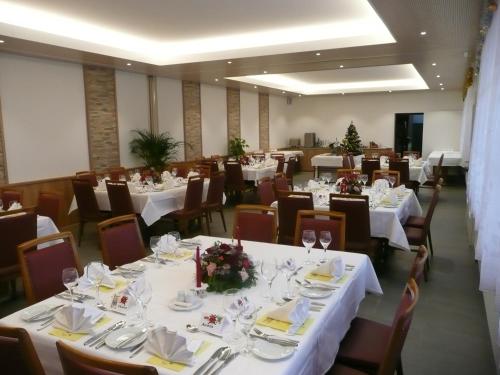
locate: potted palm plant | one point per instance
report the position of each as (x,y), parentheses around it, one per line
(156,150)
(237,147)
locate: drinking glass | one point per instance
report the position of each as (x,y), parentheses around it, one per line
(229,302)
(174,172)
(268,270)
(364,179)
(308,239)
(154,244)
(392,181)
(144,298)
(247,321)
(177,237)
(1,205)
(95,274)
(289,268)
(325,238)
(70,279)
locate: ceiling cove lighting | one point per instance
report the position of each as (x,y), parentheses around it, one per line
(366,79)
(362,27)
(2,41)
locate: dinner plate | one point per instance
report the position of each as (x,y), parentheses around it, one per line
(116,337)
(43,310)
(134,267)
(315,293)
(197,302)
(270,351)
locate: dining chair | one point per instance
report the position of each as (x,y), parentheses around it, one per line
(348,161)
(280,183)
(235,185)
(368,166)
(357,233)
(17,353)
(375,347)
(212,163)
(345,172)
(255,222)
(291,166)
(418,228)
(192,205)
(41,270)
(116,172)
(335,224)
(204,169)
(75,362)
(120,241)
(437,174)
(289,203)
(15,228)
(265,191)
(418,270)
(8,196)
(215,199)
(281,165)
(383,173)
(403,167)
(87,175)
(277,155)
(119,197)
(88,210)
(339,369)
(50,204)
(259,155)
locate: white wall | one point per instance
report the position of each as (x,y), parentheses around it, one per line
(249,117)
(170,112)
(133,111)
(373,114)
(43,107)
(213,120)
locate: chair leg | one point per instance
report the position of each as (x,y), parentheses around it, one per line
(430,242)
(223,220)
(80,232)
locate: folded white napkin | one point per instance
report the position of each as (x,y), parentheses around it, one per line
(136,177)
(334,267)
(107,279)
(401,189)
(295,312)
(311,184)
(418,162)
(381,184)
(192,174)
(171,346)
(167,243)
(392,198)
(165,175)
(15,206)
(77,318)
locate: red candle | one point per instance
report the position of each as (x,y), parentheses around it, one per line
(238,237)
(198,267)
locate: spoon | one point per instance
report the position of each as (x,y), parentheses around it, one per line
(192,328)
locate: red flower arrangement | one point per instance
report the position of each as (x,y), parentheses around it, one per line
(350,184)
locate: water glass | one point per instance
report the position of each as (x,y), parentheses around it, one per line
(154,244)
(175,245)
(229,302)
(268,271)
(247,321)
(70,279)
(95,274)
(308,239)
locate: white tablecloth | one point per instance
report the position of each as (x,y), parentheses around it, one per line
(450,159)
(255,174)
(152,205)
(327,160)
(417,173)
(318,346)
(286,153)
(44,227)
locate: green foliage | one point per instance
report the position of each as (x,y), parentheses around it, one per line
(352,142)
(155,150)
(237,147)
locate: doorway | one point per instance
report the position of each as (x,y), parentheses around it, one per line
(408,130)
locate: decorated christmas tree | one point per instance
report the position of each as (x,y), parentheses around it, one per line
(351,142)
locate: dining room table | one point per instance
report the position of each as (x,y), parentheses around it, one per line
(254,173)
(44,227)
(317,340)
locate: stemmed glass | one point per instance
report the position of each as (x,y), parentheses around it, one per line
(174,172)
(70,279)
(392,180)
(95,275)
(268,270)
(247,321)
(325,238)
(154,244)
(229,302)
(142,292)
(177,237)
(1,205)
(289,267)
(308,239)
(364,179)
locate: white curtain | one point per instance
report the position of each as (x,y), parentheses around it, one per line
(467,122)
(483,184)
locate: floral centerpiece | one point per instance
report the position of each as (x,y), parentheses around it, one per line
(350,184)
(225,266)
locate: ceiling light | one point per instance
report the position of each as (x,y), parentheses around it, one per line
(390,91)
(265,72)
(343,94)
(129,64)
(438,76)
(300,95)
(283,92)
(229,62)
(2,41)
(216,79)
(433,64)
(440,83)
(442,88)
(423,33)
(318,53)
(255,87)
(341,66)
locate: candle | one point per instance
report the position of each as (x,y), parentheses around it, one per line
(198,267)
(238,237)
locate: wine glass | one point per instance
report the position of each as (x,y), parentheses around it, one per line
(70,279)
(268,270)
(392,180)
(289,268)
(364,179)
(144,298)
(154,244)
(95,275)
(325,238)
(1,205)
(308,239)
(174,172)
(247,321)
(230,302)
(175,245)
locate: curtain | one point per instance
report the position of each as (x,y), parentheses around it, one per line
(467,122)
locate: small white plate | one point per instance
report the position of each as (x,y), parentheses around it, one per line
(116,337)
(315,293)
(134,267)
(43,310)
(270,351)
(197,302)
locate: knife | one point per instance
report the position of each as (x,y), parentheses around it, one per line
(223,364)
(49,311)
(220,359)
(130,339)
(105,332)
(275,340)
(212,357)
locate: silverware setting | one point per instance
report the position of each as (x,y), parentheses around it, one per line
(78,295)
(130,339)
(50,311)
(46,323)
(136,349)
(224,363)
(308,284)
(212,358)
(68,298)
(97,337)
(273,338)
(219,360)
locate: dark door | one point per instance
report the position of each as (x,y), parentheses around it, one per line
(408,131)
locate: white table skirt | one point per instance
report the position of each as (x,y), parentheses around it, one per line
(327,160)
(152,205)
(286,153)
(318,346)
(417,173)
(450,159)
(44,227)
(255,174)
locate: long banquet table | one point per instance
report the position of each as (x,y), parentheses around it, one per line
(318,345)
(255,174)
(151,205)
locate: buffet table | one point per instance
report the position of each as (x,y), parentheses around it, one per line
(317,347)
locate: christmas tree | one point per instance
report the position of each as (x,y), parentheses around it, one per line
(351,142)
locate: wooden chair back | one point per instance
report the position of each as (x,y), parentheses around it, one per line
(88,175)
(9,196)
(417,271)
(116,172)
(17,353)
(85,199)
(255,222)
(119,197)
(289,203)
(403,167)
(368,166)
(384,173)
(265,191)
(343,172)
(335,224)
(50,204)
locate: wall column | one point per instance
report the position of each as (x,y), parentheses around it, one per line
(153,105)
(102,122)
(233,114)
(3,159)
(191,103)
(264,122)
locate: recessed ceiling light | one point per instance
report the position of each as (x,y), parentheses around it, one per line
(265,72)
(442,88)
(129,64)
(2,41)
(438,76)
(318,53)
(300,95)
(423,33)
(216,79)
(283,92)
(229,62)
(433,64)
(255,87)
(390,91)
(440,83)
(341,66)
(342,93)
